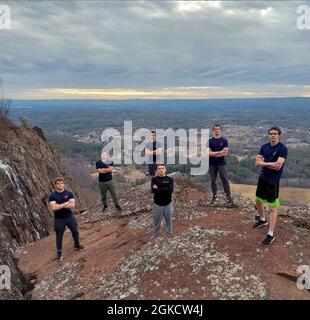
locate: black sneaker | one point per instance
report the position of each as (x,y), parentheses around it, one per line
(104,208)
(260,223)
(214,199)
(79,247)
(59,257)
(267,241)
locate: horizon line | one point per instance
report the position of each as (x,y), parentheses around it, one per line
(160,99)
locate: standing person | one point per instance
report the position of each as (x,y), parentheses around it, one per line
(271,159)
(61,202)
(153,150)
(162,187)
(105,168)
(218,149)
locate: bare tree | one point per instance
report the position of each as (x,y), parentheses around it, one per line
(4,103)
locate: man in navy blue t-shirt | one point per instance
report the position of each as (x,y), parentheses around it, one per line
(153,150)
(270,158)
(105,168)
(61,202)
(218,149)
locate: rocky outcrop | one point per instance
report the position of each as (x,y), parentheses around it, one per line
(299,216)
(28,166)
(214,254)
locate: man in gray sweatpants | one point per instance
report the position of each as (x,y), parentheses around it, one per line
(218,149)
(162,187)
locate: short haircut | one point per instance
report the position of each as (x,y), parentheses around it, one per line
(275,129)
(217,125)
(59,179)
(153,131)
(160,165)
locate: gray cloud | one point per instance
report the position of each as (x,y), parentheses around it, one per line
(143,44)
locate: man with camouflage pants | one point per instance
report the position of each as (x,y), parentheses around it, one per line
(105,167)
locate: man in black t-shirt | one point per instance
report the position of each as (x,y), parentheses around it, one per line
(105,168)
(61,202)
(162,187)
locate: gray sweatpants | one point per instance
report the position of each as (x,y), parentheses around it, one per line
(160,212)
(224,177)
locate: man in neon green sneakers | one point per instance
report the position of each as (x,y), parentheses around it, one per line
(271,159)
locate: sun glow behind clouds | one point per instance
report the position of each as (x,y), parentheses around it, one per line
(190,92)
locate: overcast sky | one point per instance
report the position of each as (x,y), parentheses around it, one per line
(154,49)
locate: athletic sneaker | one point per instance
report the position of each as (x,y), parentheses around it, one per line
(104,208)
(267,241)
(260,223)
(214,198)
(60,257)
(79,247)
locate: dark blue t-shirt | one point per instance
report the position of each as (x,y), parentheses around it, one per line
(61,197)
(104,177)
(271,154)
(217,145)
